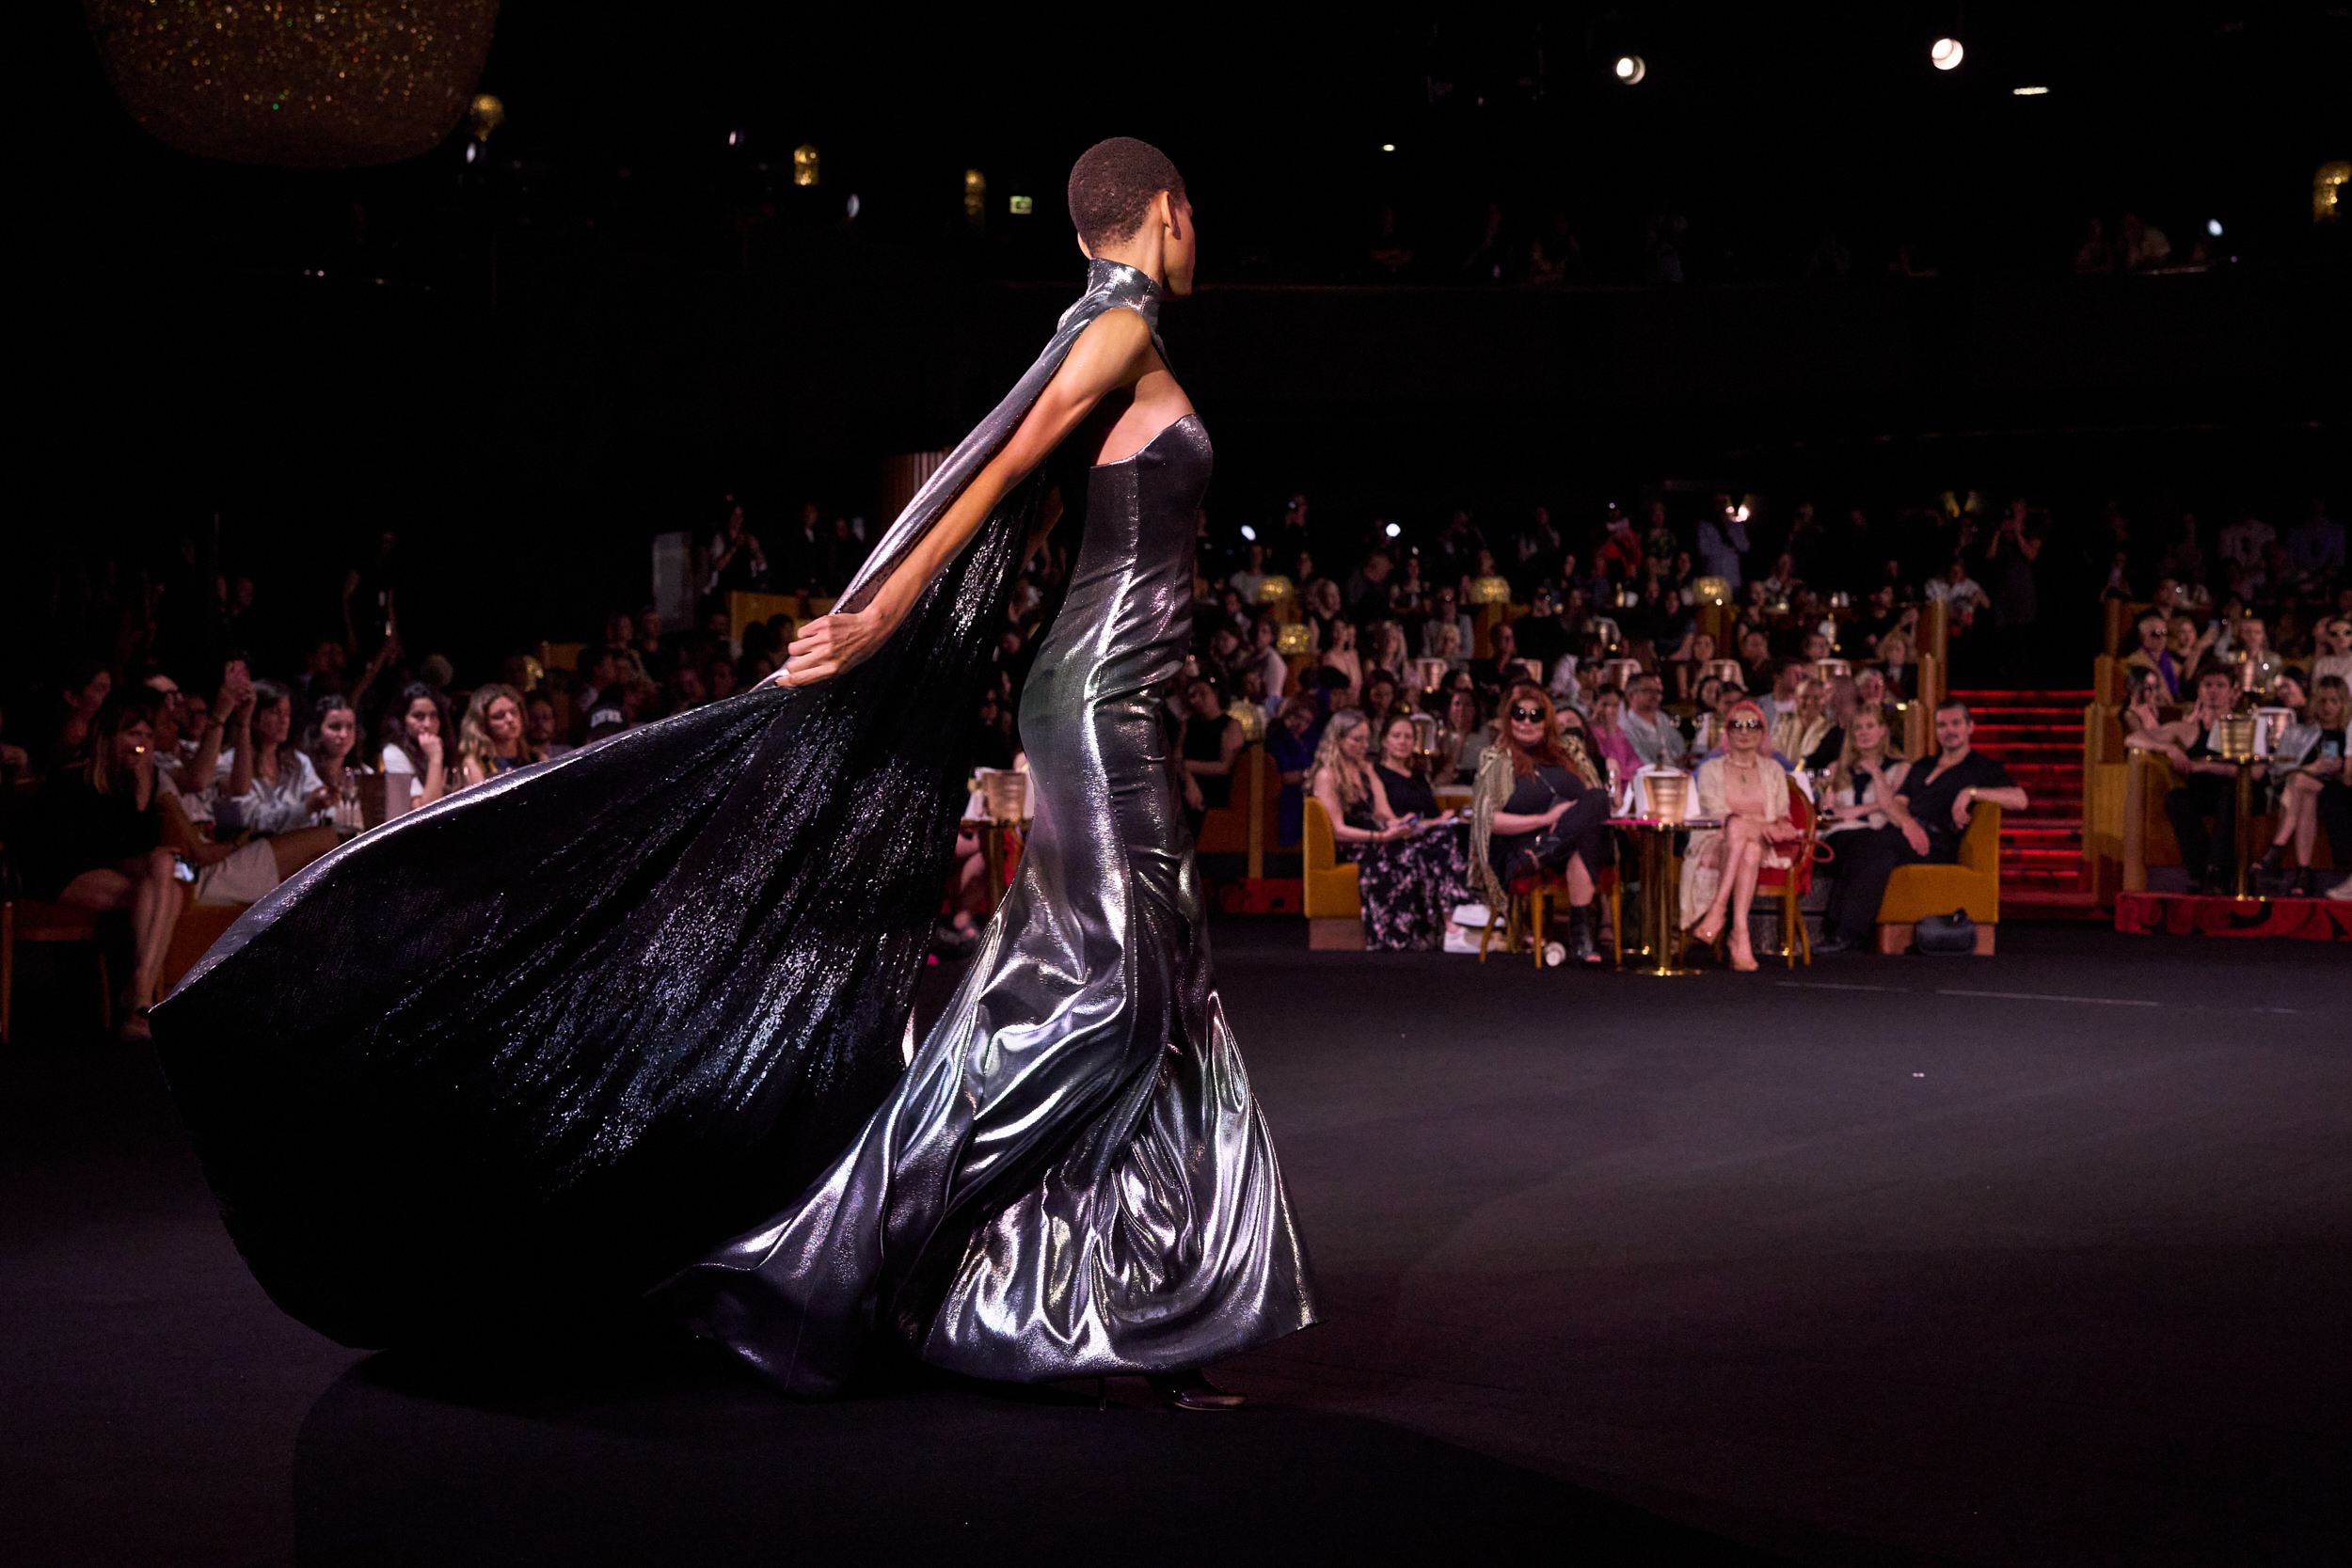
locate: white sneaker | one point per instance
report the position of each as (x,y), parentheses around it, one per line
(1459,940)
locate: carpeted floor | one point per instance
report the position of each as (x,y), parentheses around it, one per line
(2036,1259)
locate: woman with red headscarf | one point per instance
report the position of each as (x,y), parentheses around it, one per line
(1549,812)
(1748,792)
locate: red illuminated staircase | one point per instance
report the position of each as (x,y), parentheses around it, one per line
(2037,736)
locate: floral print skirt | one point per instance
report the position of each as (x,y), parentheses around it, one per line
(1410,887)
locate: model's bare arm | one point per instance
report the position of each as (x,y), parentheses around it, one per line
(1112,353)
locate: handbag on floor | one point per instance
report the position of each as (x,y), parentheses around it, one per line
(1945,933)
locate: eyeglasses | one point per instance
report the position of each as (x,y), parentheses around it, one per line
(1743,725)
(1527,716)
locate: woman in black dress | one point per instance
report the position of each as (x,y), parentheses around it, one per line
(1550,812)
(1212,739)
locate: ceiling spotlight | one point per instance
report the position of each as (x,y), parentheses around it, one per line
(854,204)
(2021,92)
(735,138)
(1395,530)
(2212,227)
(1631,69)
(1249,534)
(1946,54)
(1388,147)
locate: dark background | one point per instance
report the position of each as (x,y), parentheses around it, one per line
(530,364)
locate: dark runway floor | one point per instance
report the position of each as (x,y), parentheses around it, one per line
(2043,1259)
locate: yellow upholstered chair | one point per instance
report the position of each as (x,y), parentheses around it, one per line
(1335,907)
(1916,891)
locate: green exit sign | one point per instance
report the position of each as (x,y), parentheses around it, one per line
(1023,206)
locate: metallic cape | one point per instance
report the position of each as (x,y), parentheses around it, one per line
(1072,1177)
(514,1058)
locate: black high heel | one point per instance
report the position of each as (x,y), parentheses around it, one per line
(1192,1390)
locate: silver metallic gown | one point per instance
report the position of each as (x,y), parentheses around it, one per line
(1072,1177)
(521,1056)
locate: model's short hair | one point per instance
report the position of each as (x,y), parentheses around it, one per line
(1950,702)
(1111,187)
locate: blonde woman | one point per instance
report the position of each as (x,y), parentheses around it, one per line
(1388,651)
(1409,883)
(490,738)
(1869,768)
(1748,792)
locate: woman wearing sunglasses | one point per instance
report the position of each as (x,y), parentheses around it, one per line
(1748,791)
(1545,809)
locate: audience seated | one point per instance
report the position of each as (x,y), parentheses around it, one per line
(1925,818)
(2307,768)
(1207,744)
(1549,812)
(1866,775)
(412,754)
(99,842)
(2144,700)
(1292,746)
(1409,870)
(490,739)
(1748,792)
(2207,790)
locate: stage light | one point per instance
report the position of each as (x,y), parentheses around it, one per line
(1249,534)
(487,112)
(1946,54)
(1395,530)
(2026,92)
(853,203)
(804,165)
(2212,227)
(1388,147)
(975,195)
(472,147)
(1631,69)
(735,138)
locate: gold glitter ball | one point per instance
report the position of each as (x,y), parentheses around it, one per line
(325,84)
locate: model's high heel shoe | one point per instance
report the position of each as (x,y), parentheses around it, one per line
(1709,928)
(1192,1390)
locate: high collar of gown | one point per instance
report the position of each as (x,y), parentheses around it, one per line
(1111,284)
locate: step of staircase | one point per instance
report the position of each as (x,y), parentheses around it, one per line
(2038,737)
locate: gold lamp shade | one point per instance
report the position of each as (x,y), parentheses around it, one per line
(2238,738)
(975,195)
(341,86)
(1293,638)
(1610,633)
(485,114)
(1432,672)
(1669,795)
(1006,793)
(804,165)
(1830,668)
(2327,190)
(1275,590)
(1252,717)
(1621,672)
(1490,590)
(1425,734)
(1711,590)
(1726,670)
